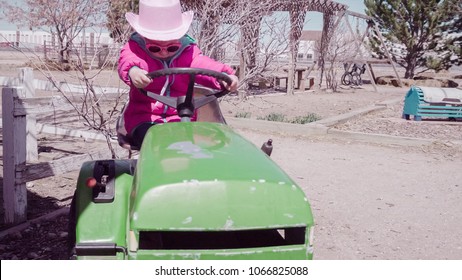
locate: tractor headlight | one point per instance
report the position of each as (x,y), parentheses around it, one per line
(132,242)
(310,240)
(311,236)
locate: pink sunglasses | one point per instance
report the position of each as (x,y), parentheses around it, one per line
(170,48)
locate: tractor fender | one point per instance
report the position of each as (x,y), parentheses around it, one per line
(101,216)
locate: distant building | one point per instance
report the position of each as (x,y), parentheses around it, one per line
(307,47)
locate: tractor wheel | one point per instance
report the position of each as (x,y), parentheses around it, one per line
(72,224)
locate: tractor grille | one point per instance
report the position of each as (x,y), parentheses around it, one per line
(203,240)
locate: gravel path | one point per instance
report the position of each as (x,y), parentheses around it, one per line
(389,122)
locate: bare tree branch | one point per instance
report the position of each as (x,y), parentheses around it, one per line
(64,19)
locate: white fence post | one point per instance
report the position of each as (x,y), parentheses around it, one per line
(14,154)
(26,79)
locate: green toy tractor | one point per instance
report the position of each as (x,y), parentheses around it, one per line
(198,190)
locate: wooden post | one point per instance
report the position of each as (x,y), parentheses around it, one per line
(26,79)
(307,76)
(18,38)
(372,71)
(45,50)
(242,69)
(297,18)
(14,153)
(379,34)
(84,41)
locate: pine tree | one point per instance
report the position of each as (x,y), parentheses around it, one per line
(419,34)
(454,27)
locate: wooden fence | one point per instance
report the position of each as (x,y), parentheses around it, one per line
(99,55)
(19,108)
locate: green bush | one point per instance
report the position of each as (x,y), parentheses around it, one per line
(277,117)
(310,117)
(244,115)
(274,117)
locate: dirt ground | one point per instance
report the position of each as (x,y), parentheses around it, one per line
(375,200)
(372,196)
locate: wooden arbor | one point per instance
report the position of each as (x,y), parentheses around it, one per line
(297,10)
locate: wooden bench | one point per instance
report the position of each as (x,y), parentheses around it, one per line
(307,83)
(303,83)
(277,78)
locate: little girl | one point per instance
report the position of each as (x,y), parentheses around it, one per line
(160,41)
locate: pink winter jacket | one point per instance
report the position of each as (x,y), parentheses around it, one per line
(142,108)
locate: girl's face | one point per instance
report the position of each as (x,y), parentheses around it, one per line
(162,49)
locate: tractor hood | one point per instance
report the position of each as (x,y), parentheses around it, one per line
(203,176)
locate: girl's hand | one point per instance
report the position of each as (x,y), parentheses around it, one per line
(233,86)
(138,77)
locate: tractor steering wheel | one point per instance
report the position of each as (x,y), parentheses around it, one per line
(186,105)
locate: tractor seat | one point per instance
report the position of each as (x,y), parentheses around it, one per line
(124,139)
(209,113)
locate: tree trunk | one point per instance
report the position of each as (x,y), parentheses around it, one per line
(410,68)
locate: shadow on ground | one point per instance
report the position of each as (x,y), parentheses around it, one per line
(37,206)
(41,240)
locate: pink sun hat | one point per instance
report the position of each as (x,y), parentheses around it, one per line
(160,20)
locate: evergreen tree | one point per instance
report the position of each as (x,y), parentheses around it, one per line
(419,34)
(454,28)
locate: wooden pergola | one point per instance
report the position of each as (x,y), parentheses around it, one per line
(297,9)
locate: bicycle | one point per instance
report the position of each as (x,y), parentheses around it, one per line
(353,77)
